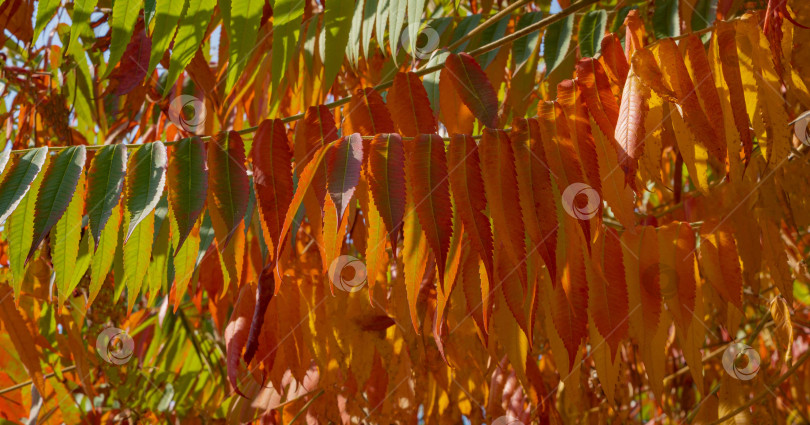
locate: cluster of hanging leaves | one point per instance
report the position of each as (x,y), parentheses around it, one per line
(558,218)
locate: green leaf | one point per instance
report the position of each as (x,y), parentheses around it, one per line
(185,257)
(524,46)
(666,22)
(65,238)
(287,16)
(18,178)
(105,182)
(45,11)
(189,37)
(20,233)
(492,33)
(188,173)
(353,46)
(704,16)
(105,253)
(244,25)
(80,19)
(124,15)
(431,81)
(382,21)
(58,186)
(335,35)
(415,9)
(465,26)
(167,16)
(145,182)
(369,14)
(137,251)
(5,154)
(396,19)
(591,32)
(149,8)
(159,266)
(558,39)
(82,260)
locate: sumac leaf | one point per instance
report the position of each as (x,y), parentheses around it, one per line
(228,183)
(105,181)
(188,173)
(474,87)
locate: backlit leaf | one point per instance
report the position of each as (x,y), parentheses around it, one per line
(58,186)
(145,181)
(189,36)
(18,178)
(124,15)
(272,175)
(385,168)
(188,171)
(591,31)
(409,106)
(105,181)
(229,187)
(65,238)
(344,162)
(474,87)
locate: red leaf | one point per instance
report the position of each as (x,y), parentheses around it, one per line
(614,59)
(264,294)
(426,173)
(569,308)
(608,291)
(468,191)
(706,92)
(572,102)
(536,193)
(318,131)
(344,161)
(630,129)
(474,87)
(500,184)
(131,71)
(367,114)
(595,87)
(386,178)
(272,176)
(228,182)
(410,107)
(236,333)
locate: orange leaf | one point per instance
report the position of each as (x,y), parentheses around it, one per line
(641,264)
(386,179)
(608,291)
(21,337)
(457,118)
(501,187)
(426,173)
(695,56)
(569,308)
(468,192)
(536,194)
(725,37)
(720,263)
(674,69)
(272,176)
(676,242)
(614,59)
(474,87)
(367,114)
(409,106)
(635,34)
(595,87)
(264,294)
(572,102)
